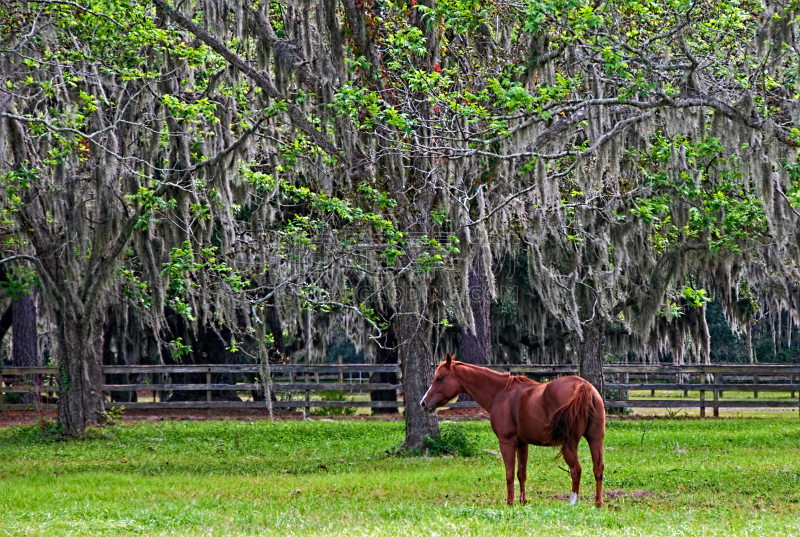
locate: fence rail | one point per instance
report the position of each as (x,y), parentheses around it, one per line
(710,382)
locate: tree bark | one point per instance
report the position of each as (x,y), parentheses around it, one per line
(80,378)
(476,346)
(591,356)
(24,339)
(274,321)
(387,354)
(5,322)
(111,329)
(413,335)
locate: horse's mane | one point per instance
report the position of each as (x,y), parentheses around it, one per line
(522,379)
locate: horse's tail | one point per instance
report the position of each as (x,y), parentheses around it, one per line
(565,421)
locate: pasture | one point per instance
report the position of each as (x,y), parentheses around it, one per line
(665,476)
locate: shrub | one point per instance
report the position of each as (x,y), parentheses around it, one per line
(452,439)
(333,395)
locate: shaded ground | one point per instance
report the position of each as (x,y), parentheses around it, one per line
(14,417)
(609,495)
(20,417)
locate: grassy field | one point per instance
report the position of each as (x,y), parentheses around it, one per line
(670,477)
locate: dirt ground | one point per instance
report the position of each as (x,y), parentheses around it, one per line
(17,417)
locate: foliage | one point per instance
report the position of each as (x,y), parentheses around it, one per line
(453,439)
(115,415)
(333,395)
(343,164)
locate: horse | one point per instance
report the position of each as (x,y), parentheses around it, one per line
(523,412)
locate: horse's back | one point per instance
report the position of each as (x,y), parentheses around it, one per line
(559,391)
(526,409)
(518,412)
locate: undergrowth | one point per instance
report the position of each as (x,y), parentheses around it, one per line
(452,439)
(333,395)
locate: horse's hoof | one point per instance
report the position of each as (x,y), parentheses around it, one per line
(573,499)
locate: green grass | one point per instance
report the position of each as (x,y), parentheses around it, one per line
(725,477)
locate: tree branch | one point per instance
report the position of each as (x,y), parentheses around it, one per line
(259,77)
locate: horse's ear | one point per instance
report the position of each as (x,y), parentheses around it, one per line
(448,360)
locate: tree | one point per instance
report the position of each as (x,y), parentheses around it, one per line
(632,159)
(21,314)
(86,169)
(249,165)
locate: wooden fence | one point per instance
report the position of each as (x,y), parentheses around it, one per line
(297,386)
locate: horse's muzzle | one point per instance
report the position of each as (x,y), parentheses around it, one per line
(425,407)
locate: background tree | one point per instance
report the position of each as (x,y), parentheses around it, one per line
(267,174)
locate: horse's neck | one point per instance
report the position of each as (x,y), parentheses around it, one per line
(481,384)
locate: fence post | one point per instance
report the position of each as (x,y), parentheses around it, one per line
(791,381)
(2,393)
(755,383)
(627,378)
(716,405)
(721,381)
(307,410)
(341,376)
(208,394)
(702,396)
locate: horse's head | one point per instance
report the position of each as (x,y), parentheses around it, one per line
(444,388)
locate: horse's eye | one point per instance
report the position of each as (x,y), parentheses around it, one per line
(440,379)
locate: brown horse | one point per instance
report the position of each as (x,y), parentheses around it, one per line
(555,413)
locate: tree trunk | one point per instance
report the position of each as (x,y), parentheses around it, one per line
(274,321)
(386,355)
(413,336)
(476,347)
(112,330)
(5,322)
(80,378)
(591,356)
(24,340)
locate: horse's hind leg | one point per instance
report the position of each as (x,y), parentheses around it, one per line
(570,452)
(522,471)
(596,447)
(508,449)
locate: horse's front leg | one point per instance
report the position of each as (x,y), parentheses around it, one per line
(522,471)
(508,449)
